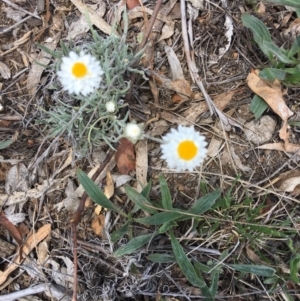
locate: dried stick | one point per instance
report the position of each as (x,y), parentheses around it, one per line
(76,220)
(15,25)
(21,9)
(35,290)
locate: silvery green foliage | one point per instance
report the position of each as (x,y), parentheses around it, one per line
(85,119)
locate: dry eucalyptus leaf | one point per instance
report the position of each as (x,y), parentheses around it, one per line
(97,224)
(4,71)
(15,15)
(17,179)
(214,147)
(77,28)
(261,130)
(288,180)
(42,252)
(167,31)
(120,180)
(141,151)
(125,156)
(177,72)
(271,93)
(109,187)
(35,73)
(31,242)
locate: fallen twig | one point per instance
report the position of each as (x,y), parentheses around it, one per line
(35,290)
(21,9)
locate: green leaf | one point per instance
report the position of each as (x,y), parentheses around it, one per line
(116,235)
(161,258)
(133,245)
(295,47)
(214,282)
(292,3)
(205,202)
(259,270)
(258,106)
(188,269)
(139,200)
(293,78)
(146,190)
(95,193)
(159,218)
(272,74)
(273,48)
(49,51)
(294,268)
(259,29)
(6,143)
(165,193)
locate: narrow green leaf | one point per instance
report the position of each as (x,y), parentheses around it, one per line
(166,227)
(293,78)
(116,235)
(139,200)
(259,29)
(95,193)
(294,268)
(259,270)
(161,258)
(133,245)
(295,47)
(214,282)
(165,193)
(188,269)
(6,143)
(292,3)
(258,106)
(205,202)
(49,51)
(273,48)
(201,267)
(272,74)
(146,190)
(158,218)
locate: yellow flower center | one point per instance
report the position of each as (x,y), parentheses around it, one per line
(79,70)
(187,150)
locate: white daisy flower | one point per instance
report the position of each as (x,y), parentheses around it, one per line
(133,131)
(110,106)
(80,74)
(184,148)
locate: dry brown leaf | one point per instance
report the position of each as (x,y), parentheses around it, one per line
(132,3)
(271,93)
(222,100)
(94,17)
(141,150)
(97,224)
(288,181)
(214,147)
(252,256)
(109,188)
(4,71)
(125,157)
(11,228)
(28,246)
(289,148)
(35,73)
